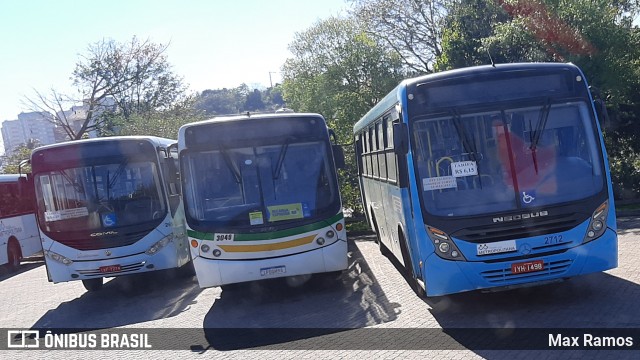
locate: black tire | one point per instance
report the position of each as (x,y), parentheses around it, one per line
(230,287)
(93,284)
(408,266)
(186,271)
(383,249)
(13,256)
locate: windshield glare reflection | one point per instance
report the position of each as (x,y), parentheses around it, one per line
(503,160)
(255,186)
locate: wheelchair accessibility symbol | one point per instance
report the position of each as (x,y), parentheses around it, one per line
(527,199)
(109,220)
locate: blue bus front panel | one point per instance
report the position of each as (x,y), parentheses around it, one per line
(444,277)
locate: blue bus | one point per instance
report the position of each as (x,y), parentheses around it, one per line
(489,177)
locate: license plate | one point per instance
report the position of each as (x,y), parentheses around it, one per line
(109,269)
(274,270)
(526,267)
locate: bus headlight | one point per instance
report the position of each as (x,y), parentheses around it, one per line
(159,245)
(597,225)
(330,234)
(445,247)
(205,248)
(58,258)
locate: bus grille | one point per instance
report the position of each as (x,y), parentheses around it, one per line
(519,229)
(87,243)
(123,270)
(551,269)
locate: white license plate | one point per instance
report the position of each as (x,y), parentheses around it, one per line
(274,270)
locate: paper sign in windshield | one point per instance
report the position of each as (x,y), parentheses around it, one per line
(464,168)
(439,183)
(65,214)
(255,218)
(496,247)
(285,212)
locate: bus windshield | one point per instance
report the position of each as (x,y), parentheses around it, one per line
(260,185)
(99,197)
(485,162)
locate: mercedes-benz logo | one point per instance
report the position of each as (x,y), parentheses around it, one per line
(525,249)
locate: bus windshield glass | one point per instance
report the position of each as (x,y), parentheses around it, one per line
(260,185)
(99,197)
(485,162)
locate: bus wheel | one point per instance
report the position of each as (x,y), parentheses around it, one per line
(408,265)
(92,284)
(383,249)
(13,256)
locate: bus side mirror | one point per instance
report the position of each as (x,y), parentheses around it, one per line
(400,138)
(25,185)
(338,156)
(601,112)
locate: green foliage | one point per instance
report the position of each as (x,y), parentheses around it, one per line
(164,123)
(239,100)
(596,35)
(11,162)
(340,72)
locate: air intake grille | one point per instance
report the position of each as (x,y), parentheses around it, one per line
(106,242)
(123,270)
(519,228)
(504,275)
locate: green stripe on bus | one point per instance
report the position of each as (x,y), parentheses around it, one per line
(271,235)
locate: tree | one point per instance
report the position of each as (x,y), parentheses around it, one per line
(596,35)
(412,28)
(165,123)
(113,78)
(11,162)
(341,72)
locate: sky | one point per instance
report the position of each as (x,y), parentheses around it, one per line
(213,44)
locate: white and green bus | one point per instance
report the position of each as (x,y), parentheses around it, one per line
(261,198)
(109,207)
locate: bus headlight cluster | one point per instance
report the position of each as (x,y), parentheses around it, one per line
(597,223)
(445,247)
(59,258)
(159,245)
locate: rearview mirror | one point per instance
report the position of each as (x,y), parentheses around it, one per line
(338,156)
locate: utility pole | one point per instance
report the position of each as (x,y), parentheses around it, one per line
(271,81)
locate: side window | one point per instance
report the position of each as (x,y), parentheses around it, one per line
(374,148)
(365,157)
(390,155)
(171,181)
(382,161)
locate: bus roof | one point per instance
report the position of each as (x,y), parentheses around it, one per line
(393,97)
(154,139)
(249,116)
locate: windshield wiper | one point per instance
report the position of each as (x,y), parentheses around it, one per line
(283,152)
(469,147)
(76,185)
(234,171)
(540,126)
(120,169)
